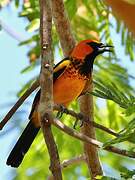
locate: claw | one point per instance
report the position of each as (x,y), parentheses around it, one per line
(81,123)
(59,114)
(62,111)
(76,123)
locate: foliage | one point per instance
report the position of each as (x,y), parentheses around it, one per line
(127,174)
(112,81)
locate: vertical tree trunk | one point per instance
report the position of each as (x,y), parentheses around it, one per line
(46,83)
(63,28)
(86,107)
(86,103)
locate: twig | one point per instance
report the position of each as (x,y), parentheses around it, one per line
(84,118)
(69,162)
(20,101)
(91,141)
(63,28)
(46,83)
(74,160)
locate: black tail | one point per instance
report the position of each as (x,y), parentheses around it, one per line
(22,146)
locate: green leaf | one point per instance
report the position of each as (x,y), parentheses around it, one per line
(111,92)
(26,12)
(28,68)
(31,40)
(71,6)
(17,3)
(26,42)
(127,174)
(34,25)
(121,138)
(118,26)
(127,134)
(105,178)
(130,110)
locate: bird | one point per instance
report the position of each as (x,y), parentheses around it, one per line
(70,76)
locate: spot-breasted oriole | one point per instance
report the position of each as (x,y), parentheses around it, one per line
(69,78)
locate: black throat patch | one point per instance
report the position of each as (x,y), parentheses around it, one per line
(87,66)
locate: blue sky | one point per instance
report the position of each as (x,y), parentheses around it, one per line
(13,60)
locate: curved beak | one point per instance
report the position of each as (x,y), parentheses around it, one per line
(105,48)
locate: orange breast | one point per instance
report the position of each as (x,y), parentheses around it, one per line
(68,87)
(65,89)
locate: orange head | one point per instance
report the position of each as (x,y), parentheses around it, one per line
(89,47)
(86,52)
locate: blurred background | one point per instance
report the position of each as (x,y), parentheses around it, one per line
(20,65)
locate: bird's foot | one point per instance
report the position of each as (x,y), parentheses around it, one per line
(62,111)
(79,120)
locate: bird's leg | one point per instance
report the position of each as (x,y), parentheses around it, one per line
(76,122)
(63,109)
(79,118)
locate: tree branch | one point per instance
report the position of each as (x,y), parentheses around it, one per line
(85,119)
(74,160)
(78,116)
(69,162)
(89,140)
(63,28)
(46,83)
(20,101)
(75,134)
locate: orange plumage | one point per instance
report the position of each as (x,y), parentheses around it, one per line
(70,77)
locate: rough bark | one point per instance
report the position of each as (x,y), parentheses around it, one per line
(63,27)
(68,42)
(46,83)
(86,107)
